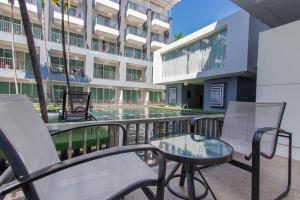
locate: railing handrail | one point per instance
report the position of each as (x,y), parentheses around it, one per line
(159,38)
(112,23)
(136,7)
(74,41)
(138,32)
(133,54)
(33,2)
(5,26)
(105,48)
(161,17)
(79,13)
(4,61)
(64,126)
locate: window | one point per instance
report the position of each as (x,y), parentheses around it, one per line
(104,71)
(202,55)
(133,75)
(131,96)
(30,90)
(102,95)
(155,97)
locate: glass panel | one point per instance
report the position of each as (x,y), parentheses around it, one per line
(4,88)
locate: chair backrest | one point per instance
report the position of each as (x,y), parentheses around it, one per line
(24,138)
(241,121)
(76,104)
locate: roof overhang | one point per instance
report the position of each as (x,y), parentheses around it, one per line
(166,4)
(272,12)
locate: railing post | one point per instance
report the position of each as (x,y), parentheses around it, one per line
(98,143)
(70,141)
(84,140)
(137,131)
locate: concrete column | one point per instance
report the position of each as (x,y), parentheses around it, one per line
(89,65)
(170,39)
(146,102)
(148,73)
(89,24)
(122,25)
(148,44)
(121,97)
(122,71)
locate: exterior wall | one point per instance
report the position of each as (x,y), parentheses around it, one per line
(238,57)
(87,53)
(230,93)
(236,89)
(278,77)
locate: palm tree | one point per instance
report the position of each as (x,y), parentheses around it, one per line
(178,36)
(50,83)
(64,6)
(12,4)
(34,58)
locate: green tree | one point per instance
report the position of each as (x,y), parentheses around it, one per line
(65,6)
(34,58)
(178,36)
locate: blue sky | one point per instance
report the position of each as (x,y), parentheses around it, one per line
(191,15)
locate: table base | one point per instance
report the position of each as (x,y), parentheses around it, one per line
(187,172)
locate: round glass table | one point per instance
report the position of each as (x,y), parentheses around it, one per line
(190,151)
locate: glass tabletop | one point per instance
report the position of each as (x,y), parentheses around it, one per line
(193,147)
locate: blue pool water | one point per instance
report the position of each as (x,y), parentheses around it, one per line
(129,113)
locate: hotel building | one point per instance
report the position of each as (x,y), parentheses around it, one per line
(111,45)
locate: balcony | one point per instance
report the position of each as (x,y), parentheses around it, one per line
(106,27)
(60,69)
(157,42)
(73,41)
(31,7)
(160,23)
(6,26)
(135,13)
(110,7)
(135,36)
(7,63)
(135,53)
(105,48)
(75,18)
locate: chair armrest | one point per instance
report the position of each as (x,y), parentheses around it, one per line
(259,133)
(93,125)
(83,159)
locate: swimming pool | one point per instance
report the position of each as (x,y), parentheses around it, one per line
(129,113)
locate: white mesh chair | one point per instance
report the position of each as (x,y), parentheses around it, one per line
(253,130)
(106,174)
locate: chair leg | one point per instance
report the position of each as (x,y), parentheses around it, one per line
(284,193)
(148,192)
(183,173)
(255,167)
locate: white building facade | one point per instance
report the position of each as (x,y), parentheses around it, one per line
(211,66)
(111,48)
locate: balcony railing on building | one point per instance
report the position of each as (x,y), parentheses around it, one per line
(74,41)
(135,31)
(6,26)
(112,23)
(159,38)
(133,53)
(33,2)
(7,63)
(60,69)
(135,78)
(160,17)
(136,7)
(106,48)
(73,12)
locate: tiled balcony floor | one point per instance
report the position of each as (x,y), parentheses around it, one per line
(231,183)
